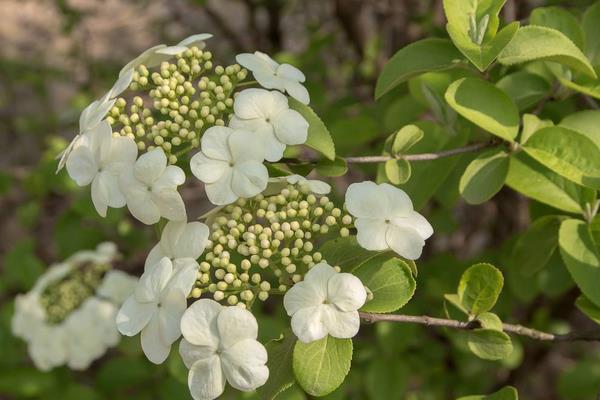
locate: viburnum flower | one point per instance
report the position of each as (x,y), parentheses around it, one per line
(150,188)
(272,75)
(219,345)
(230,164)
(385,219)
(156,307)
(268,115)
(116,286)
(181,242)
(325,303)
(99,158)
(313,185)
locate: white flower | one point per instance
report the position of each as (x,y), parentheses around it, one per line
(156,307)
(220,346)
(181,242)
(268,115)
(48,348)
(150,188)
(230,164)
(98,158)
(272,75)
(196,40)
(116,286)
(314,185)
(385,219)
(325,303)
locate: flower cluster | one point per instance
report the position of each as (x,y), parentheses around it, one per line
(68,316)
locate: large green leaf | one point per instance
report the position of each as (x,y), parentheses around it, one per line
(531,178)
(568,153)
(506,393)
(484,105)
(392,284)
(423,56)
(591,29)
(321,366)
(524,88)
(559,19)
(582,83)
(479,288)
(397,171)
(484,176)
(536,245)
(406,138)
(588,308)
(541,43)
(473,27)
(532,124)
(346,253)
(489,344)
(319,137)
(586,122)
(580,254)
(281,374)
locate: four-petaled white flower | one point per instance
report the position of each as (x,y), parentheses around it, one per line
(219,345)
(325,303)
(181,242)
(230,164)
(156,306)
(268,115)
(99,158)
(385,219)
(150,188)
(272,75)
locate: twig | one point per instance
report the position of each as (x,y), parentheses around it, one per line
(462,325)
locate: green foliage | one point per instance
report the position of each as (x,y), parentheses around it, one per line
(591,28)
(479,288)
(406,138)
(536,246)
(561,20)
(524,88)
(489,344)
(590,309)
(321,366)
(281,374)
(397,171)
(319,137)
(484,176)
(506,393)
(337,167)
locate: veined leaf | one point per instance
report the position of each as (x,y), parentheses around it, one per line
(524,88)
(559,19)
(319,137)
(536,245)
(484,176)
(489,344)
(479,288)
(506,393)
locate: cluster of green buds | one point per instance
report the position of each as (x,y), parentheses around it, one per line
(60,298)
(263,245)
(175,104)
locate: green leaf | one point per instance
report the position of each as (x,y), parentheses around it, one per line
(535,247)
(588,308)
(346,253)
(532,124)
(406,138)
(281,374)
(319,137)
(490,320)
(524,88)
(391,283)
(506,393)
(568,153)
(540,43)
(586,122)
(489,344)
(473,26)
(455,301)
(531,178)
(591,29)
(321,366)
(484,176)
(479,288)
(26,382)
(423,56)
(337,167)
(397,171)
(580,254)
(484,105)
(582,84)
(21,267)
(559,19)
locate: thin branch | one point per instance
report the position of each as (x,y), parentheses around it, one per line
(423,156)
(462,325)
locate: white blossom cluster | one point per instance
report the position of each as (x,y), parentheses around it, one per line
(68,317)
(261,239)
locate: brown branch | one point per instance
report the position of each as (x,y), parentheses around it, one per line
(462,325)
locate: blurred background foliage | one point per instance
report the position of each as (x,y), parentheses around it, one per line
(56,56)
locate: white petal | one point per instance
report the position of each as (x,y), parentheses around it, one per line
(195,40)
(249,179)
(371,233)
(346,292)
(184,274)
(171,177)
(257,62)
(122,83)
(153,281)
(170,204)
(290,127)
(134,316)
(318,276)
(155,349)
(206,169)
(268,80)
(417,222)
(254,103)
(236,324)
(192,241)
(81,165)
(405,241)
(173,303)
(95,112)
(220,192)
(214,143)
(340,324)
(139,199)
(290,72)
(244,147)
(244,365)
(199,323)
(399,202)
(273,148)
(365,199)
(150,166)
(319,187)
(308,325)
(171,50)
(107,192)
(297,91)
(155,255)
(205,379)
(123,152)
(191,353)
(301,295)
(117,286)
